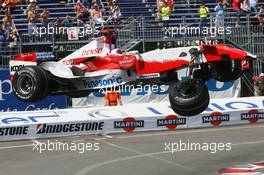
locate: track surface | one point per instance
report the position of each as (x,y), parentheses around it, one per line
(137,153)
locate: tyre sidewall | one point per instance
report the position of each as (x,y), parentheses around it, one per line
(39,89)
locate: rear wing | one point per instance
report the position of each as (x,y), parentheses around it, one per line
(21,60)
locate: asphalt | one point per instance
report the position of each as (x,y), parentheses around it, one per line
(148,153)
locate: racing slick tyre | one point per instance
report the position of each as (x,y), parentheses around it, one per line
(227,70)
(189,97)
(30,84)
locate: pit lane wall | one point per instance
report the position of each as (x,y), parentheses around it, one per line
(131,118)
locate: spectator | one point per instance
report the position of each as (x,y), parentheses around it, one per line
(165,12)
(99,4)
(31,22)
(109,4)
(2,38)
(170,3)
(253,6)
(96,15)
(165,16)
(57,23)
(87,3)
(12,39)
(259,85)
(67,22)
(85,15)
(204,14)
(11,4)
(261,16)
(45,18)
(219,9)
(245,6)
(113,99)
(2,9)
(160,4)
(32,4)
(80,22)
(79,8)
(224,2)
(7,21)
(115,13)
(237,9)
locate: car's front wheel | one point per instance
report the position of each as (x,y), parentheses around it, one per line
(189,97)
(30,84)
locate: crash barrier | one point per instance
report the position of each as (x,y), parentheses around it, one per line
(9,102)
(130,118)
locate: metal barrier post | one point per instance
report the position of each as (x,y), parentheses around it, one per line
(143,34)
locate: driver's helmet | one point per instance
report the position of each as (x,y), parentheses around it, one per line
(117,52)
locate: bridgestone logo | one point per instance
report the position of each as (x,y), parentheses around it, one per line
(166,122)
(131,124)
(10,131)
(76,127)
(209,119)
(247,116)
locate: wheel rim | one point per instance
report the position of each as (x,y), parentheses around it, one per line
(187,89)
(26,84)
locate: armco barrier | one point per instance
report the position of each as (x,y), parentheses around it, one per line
(143,117)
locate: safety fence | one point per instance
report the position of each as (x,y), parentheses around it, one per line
(135,30)
(7,52)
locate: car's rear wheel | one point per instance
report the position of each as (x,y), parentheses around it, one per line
(189,97)
(30,84)
(227,70)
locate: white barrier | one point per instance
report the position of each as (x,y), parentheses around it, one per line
(143,117)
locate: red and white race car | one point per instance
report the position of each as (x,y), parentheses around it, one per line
(98,66)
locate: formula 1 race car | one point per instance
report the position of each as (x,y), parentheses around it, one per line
(97,66)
